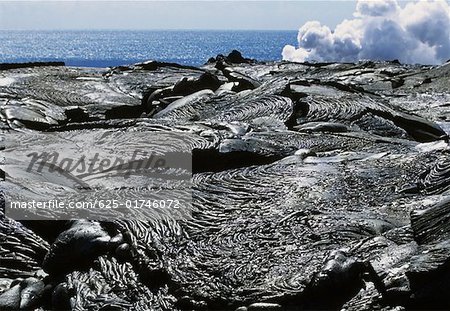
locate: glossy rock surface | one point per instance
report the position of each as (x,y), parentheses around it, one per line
(314,186)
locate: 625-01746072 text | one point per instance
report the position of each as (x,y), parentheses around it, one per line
(100,204)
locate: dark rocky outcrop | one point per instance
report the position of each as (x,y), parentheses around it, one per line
(8,66)
(235,57)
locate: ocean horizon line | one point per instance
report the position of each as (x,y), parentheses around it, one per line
(149,30)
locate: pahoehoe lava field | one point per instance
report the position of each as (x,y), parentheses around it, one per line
(315,186)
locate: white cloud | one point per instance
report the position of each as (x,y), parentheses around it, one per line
(376,8)
(381,30)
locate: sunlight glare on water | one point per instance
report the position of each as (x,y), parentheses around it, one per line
(112,48)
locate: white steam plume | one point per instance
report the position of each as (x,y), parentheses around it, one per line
(381,30)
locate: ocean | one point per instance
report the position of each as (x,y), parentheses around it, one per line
(112,48)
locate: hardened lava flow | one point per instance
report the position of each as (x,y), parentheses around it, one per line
(314,186)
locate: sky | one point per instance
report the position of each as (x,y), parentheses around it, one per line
(267,15)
